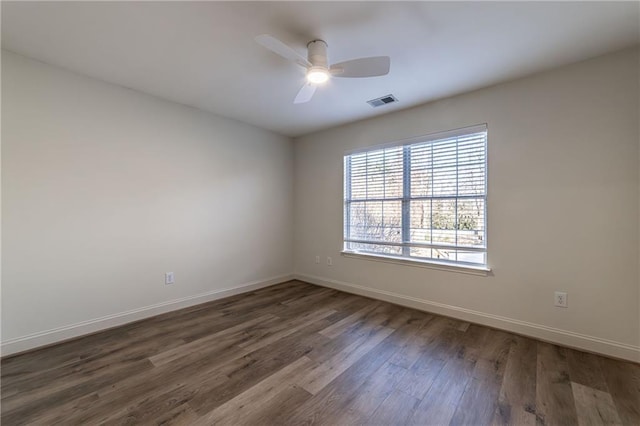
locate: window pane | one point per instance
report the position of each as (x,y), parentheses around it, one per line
(376,221)
(471,257)
(445,181)
(393,181)
(362,215)
(444,153)
(443,236)
(420,212)
(471,149)
(392,221)
(358,177)
(444,255)
(376,248)
(357,211)
(377,174)
(471,222)
(443,214)
(471,179)
(424,253)
(421,170)
(375,185)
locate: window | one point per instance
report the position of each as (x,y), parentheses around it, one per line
(423,199)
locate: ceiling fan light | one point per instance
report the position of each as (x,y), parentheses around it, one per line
(317,75)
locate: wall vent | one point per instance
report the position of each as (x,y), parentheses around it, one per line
(383,100)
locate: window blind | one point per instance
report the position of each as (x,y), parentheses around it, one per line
(424,198)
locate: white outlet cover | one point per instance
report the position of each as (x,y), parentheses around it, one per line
(169,278)
(560,299)
(329,261)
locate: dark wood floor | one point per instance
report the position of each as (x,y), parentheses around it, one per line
(300,354)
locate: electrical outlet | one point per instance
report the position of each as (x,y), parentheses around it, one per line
(317,259)
(561,299)
(169,278)
(329,261)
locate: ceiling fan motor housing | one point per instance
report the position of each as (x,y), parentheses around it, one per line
(317,54)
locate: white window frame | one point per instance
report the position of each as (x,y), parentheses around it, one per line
(405,258)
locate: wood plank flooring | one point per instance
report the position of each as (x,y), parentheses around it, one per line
(296,354)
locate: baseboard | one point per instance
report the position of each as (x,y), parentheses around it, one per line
(538,331)
(60,334)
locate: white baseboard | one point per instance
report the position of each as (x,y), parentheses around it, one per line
(538,331)
(59,334)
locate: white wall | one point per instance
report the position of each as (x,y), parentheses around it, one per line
(562,207)
(105,189)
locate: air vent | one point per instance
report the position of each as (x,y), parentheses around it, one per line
(384,100)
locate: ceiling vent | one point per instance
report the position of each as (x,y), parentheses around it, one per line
(384,100)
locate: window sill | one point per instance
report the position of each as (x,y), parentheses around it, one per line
(464,269)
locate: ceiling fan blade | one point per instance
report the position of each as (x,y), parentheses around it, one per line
(282,49)
(305,94)
(363,67)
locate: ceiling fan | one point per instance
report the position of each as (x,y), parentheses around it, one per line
(318,68)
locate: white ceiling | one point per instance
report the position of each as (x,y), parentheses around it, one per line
(203,54)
